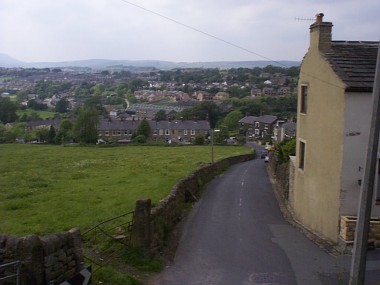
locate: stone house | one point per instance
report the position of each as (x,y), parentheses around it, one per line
(258,127)
(178,131)
(40,124)
(117,130)
(333,119)
(121,131)
(221,95)
(284,131)
(268,91)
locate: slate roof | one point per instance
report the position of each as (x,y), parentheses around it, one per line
(113,125)
(267,119)
(55,122)
(355,63)
(248,120)
(180,125)
(289,126)
(107,125)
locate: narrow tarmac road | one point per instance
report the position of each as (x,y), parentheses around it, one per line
(236,235)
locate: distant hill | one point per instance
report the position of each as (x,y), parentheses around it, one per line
(7,61)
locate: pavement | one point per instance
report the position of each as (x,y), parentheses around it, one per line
(342,274)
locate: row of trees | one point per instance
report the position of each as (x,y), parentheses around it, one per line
(231,111)
(83,129)
(233,75)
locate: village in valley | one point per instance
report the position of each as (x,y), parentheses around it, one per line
(179,104)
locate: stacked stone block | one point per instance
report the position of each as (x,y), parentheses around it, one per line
(348,226)
(48,260)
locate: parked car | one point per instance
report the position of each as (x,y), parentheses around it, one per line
(266,159)
(264,154)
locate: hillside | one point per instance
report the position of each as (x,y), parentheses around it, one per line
(8,61)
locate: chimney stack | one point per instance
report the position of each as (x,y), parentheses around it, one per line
(320,34)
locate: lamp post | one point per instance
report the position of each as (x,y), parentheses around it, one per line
(212,144)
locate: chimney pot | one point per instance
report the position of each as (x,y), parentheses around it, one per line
(319,17)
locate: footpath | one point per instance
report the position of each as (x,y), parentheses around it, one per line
(342,272)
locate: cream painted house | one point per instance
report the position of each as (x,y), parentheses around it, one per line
(333,120)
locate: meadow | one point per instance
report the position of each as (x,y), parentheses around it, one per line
(47,188)
(41,114)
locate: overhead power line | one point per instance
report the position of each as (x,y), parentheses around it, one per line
(223,40)
(202,32)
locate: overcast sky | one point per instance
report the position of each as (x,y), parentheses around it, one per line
(62,30)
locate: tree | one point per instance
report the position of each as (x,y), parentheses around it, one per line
(7,111)
(42,134)
(65,133)
(160,115)
(232,120)
(62,106)
(222,135)
(51,135)
(205,111)
(143,129)
(137,84)
(95,102)
(86,126)
(35,105)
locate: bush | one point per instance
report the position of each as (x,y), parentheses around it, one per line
(199,140)
(286,149)
(140,139)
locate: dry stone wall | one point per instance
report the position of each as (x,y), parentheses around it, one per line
(48,260)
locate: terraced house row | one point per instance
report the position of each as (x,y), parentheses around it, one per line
(175,131)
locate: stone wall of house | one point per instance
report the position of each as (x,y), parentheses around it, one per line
(165,216)
(44,260)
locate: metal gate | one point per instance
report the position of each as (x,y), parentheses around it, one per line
(106,240)
(10,270)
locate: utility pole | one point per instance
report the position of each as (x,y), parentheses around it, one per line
(358,263)
(212,145)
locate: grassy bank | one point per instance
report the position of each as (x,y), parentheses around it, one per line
(45,189)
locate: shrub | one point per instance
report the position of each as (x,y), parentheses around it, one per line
(140,139)
(199,140)
(286,149)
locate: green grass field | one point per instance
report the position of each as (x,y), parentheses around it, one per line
(43,114)
(45,189)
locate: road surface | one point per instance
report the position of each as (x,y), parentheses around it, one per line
(236,235)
